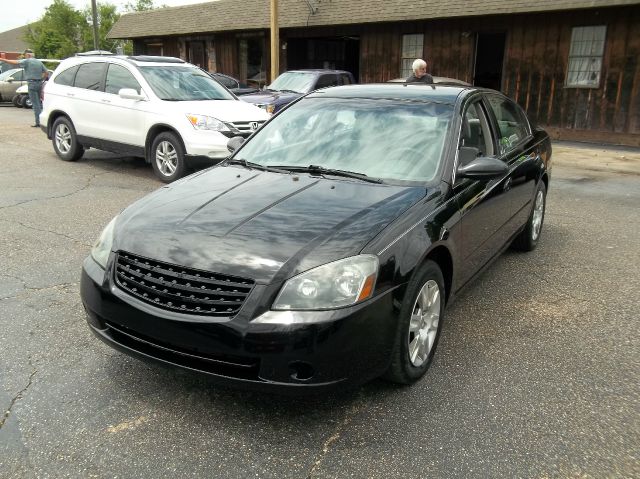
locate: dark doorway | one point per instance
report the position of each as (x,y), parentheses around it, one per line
(197,54)
(489,60)
(339,53)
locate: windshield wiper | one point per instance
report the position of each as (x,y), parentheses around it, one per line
(321,170)
(252,166)
(289,91)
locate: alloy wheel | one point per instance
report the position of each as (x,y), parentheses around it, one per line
(166,158)
(538,213)
(423,327)
(63,138)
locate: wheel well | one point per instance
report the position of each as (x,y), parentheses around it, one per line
(52,119)
(155,131)
(545,179)
(442,258)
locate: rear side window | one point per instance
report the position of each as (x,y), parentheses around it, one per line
(327,80)
(512,123)
(346,79)
(18,76)
(66,77)
(119,77)
(90,76)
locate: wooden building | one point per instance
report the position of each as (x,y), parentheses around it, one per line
(574,65)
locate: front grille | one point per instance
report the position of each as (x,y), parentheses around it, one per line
(180,289)
(247,127)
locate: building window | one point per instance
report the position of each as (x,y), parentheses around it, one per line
(412,48)
(585,56)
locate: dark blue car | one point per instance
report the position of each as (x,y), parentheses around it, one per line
(293,84)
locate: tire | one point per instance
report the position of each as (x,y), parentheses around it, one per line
(16,101)
(65,140)
(167,157)
(421,317)
(528,239)
(25,102)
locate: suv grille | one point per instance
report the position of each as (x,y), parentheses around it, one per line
(247,127)
(180,289)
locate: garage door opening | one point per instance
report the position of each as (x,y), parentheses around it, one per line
(489,60)
(340,53)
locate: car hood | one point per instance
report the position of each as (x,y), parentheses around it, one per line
(275,97)
(259,225)
(225,110)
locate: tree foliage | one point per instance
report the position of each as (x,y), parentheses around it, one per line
(64,31)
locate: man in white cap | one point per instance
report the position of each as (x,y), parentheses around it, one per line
(34,72)
(420,74)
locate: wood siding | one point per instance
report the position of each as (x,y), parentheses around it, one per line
(534,68)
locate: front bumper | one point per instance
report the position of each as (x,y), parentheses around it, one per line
(346,348)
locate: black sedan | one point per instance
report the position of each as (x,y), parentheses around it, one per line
(322,253)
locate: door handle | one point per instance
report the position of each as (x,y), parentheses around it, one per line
(71,94)
(507,184)
(105,101)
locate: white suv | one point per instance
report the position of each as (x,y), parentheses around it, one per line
(167,111)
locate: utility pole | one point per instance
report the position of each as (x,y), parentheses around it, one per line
(94,10)
(275,41)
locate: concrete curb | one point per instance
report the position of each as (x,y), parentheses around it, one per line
(607,158)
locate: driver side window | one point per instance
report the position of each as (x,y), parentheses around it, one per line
(475,136)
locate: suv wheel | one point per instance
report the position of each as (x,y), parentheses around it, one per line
(65,140)
(167,157)
(25,102)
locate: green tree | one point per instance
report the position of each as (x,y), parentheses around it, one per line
(139,6)
(107,16)
(58,34)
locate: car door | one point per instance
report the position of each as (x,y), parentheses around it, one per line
(516,148)
(484,205)
(123,119)
(11,84)
(86,98)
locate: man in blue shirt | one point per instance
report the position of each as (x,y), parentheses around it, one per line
(34,72)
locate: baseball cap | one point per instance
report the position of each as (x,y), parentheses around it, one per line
(28,50)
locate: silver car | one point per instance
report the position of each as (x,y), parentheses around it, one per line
(9,83)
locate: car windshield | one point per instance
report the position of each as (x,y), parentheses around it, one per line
(300,82)
(386,139)
(8,73)
(183,83)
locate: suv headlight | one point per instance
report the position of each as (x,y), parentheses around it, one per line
(102,246)
(333,285)
(203,122)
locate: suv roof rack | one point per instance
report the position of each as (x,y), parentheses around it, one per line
(155,59)
(93,52)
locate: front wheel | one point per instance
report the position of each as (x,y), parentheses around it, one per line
(16,100)
(421,318)
(167,157)
(65,140)
(527,240)
(25,102)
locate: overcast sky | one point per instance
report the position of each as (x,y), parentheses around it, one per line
(15,13)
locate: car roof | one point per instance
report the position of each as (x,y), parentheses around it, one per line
(137,60)
(397,91)
(315,70)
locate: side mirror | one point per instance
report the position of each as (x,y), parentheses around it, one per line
(9,80)
(131,94)
(234,143)
(483,168)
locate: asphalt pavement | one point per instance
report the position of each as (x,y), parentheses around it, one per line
(536,374)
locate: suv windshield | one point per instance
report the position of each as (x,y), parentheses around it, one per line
(388,139)
(183,83)
(300,82)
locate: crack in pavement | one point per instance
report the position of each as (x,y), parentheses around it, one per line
(47,231)
(56,197)
(18,396)
(31,290)
(326,447)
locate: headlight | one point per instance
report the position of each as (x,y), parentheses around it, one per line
(202,122)
(270,108)
(334,285)
(102,246)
